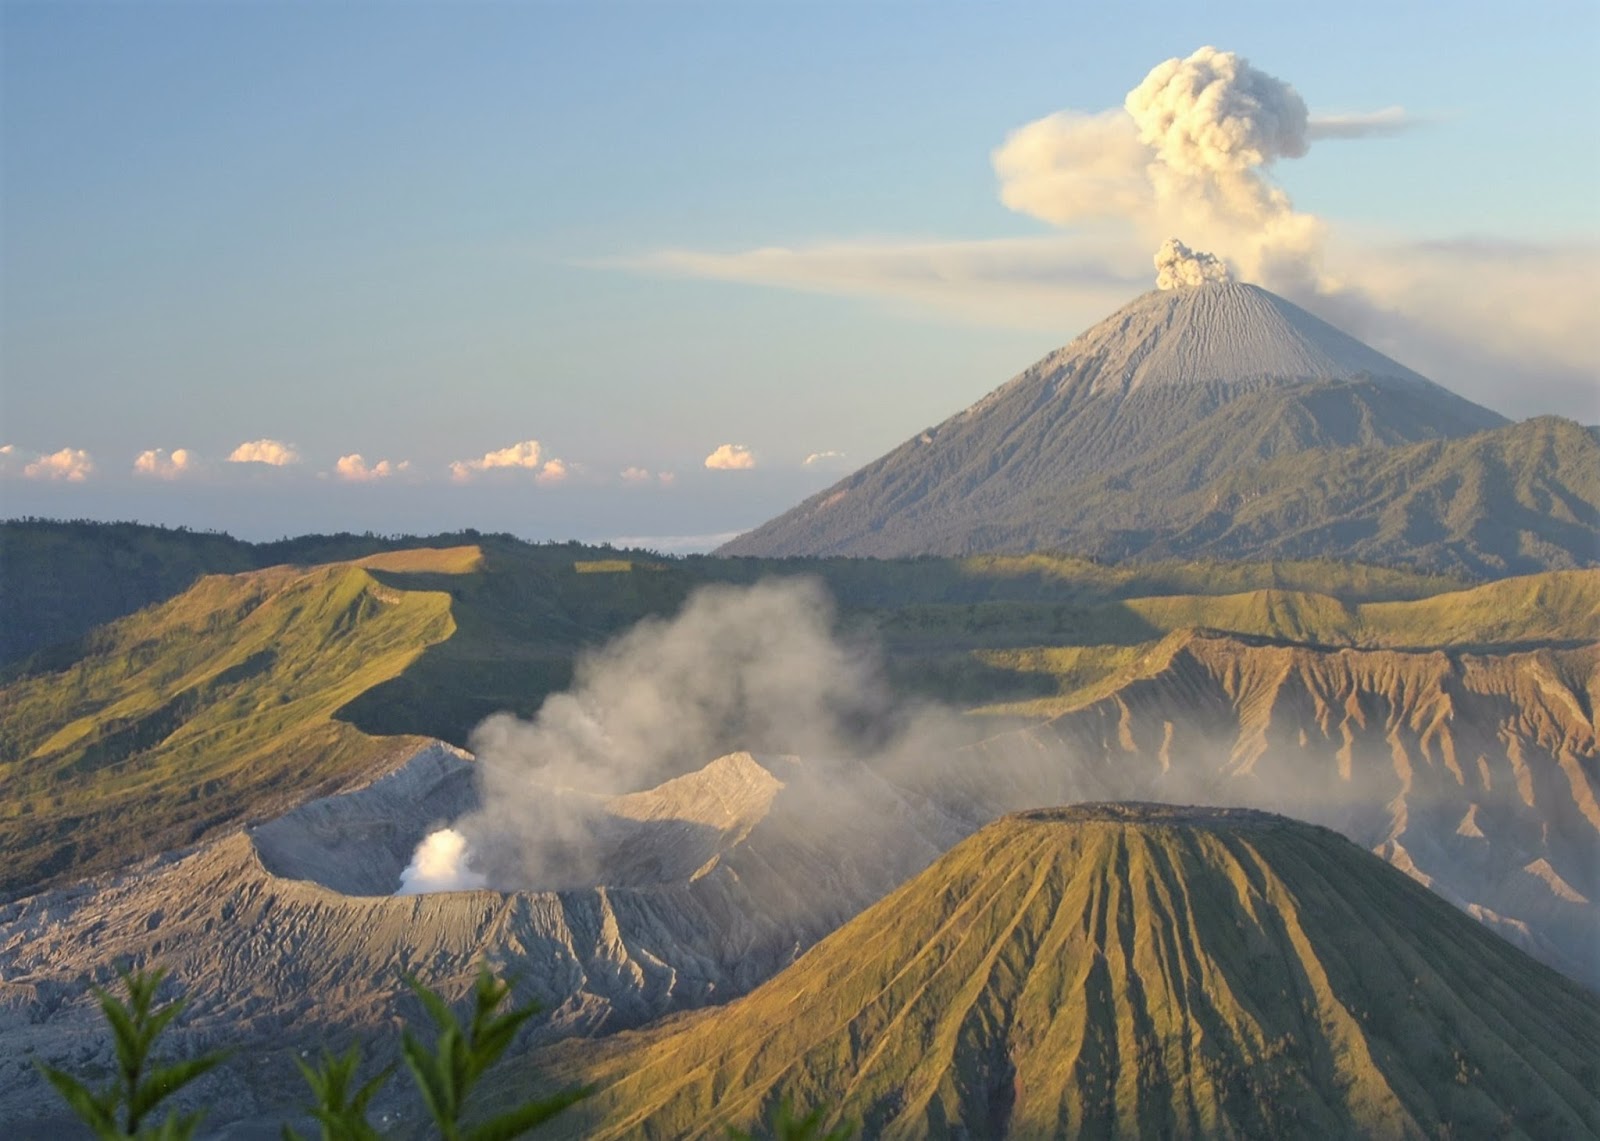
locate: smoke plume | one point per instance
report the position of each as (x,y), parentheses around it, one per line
(758,669)
(1177,265)
(1190,150)
(440,864)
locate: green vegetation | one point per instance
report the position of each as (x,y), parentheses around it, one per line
(1131,972)
(191,715)
(248,693)
(1384,474)
(123,1107)
(445,1072)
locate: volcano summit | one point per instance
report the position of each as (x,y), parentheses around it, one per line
(1210,418)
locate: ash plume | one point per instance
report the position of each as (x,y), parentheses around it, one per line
(1191,149)
(1177,265)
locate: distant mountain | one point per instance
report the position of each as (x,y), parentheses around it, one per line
(1156,433)
(1131,971)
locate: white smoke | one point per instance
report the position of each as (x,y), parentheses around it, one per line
(755,668)
(440,863)
(1190,150)
(1177,265)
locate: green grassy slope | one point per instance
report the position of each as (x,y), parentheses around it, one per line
(206,709)
(1515,500)
(252,690)
(1115,972)
(1269,475)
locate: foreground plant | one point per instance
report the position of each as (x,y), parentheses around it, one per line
(342,1114)
(124,1108)
(445,1072)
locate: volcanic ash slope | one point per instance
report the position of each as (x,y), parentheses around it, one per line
(1132,971)
(288,936)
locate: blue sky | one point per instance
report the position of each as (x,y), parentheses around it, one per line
(428,232)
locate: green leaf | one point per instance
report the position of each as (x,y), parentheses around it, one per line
(98,1112)
(516,1122)
(159,1083)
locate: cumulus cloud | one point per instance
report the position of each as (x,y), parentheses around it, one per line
(1177,265)
(161,464)
(273,452)
(356,469)
(71,464)
(731,457)
(528,455)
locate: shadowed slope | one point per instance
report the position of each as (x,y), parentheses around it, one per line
(213,707)
(1221,422)
(1123,971)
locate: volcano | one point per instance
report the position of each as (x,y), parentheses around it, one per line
(1132,971)
(1218,420)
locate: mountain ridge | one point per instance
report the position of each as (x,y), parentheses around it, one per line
(1129,970)
(1133,441)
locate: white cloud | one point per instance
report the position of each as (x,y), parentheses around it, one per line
(7,449)
(527,455)
(822,457)
(71,464)
(552,471)
(161,464)
(1362,124)
(273,452)
(1190,153)
(639,476)
(731,457)
(1048,282)
(355,469)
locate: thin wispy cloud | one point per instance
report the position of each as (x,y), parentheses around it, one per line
(274,453)
(1363,124)
(1028,283)
(816,458)
(731,457)
(639,476)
